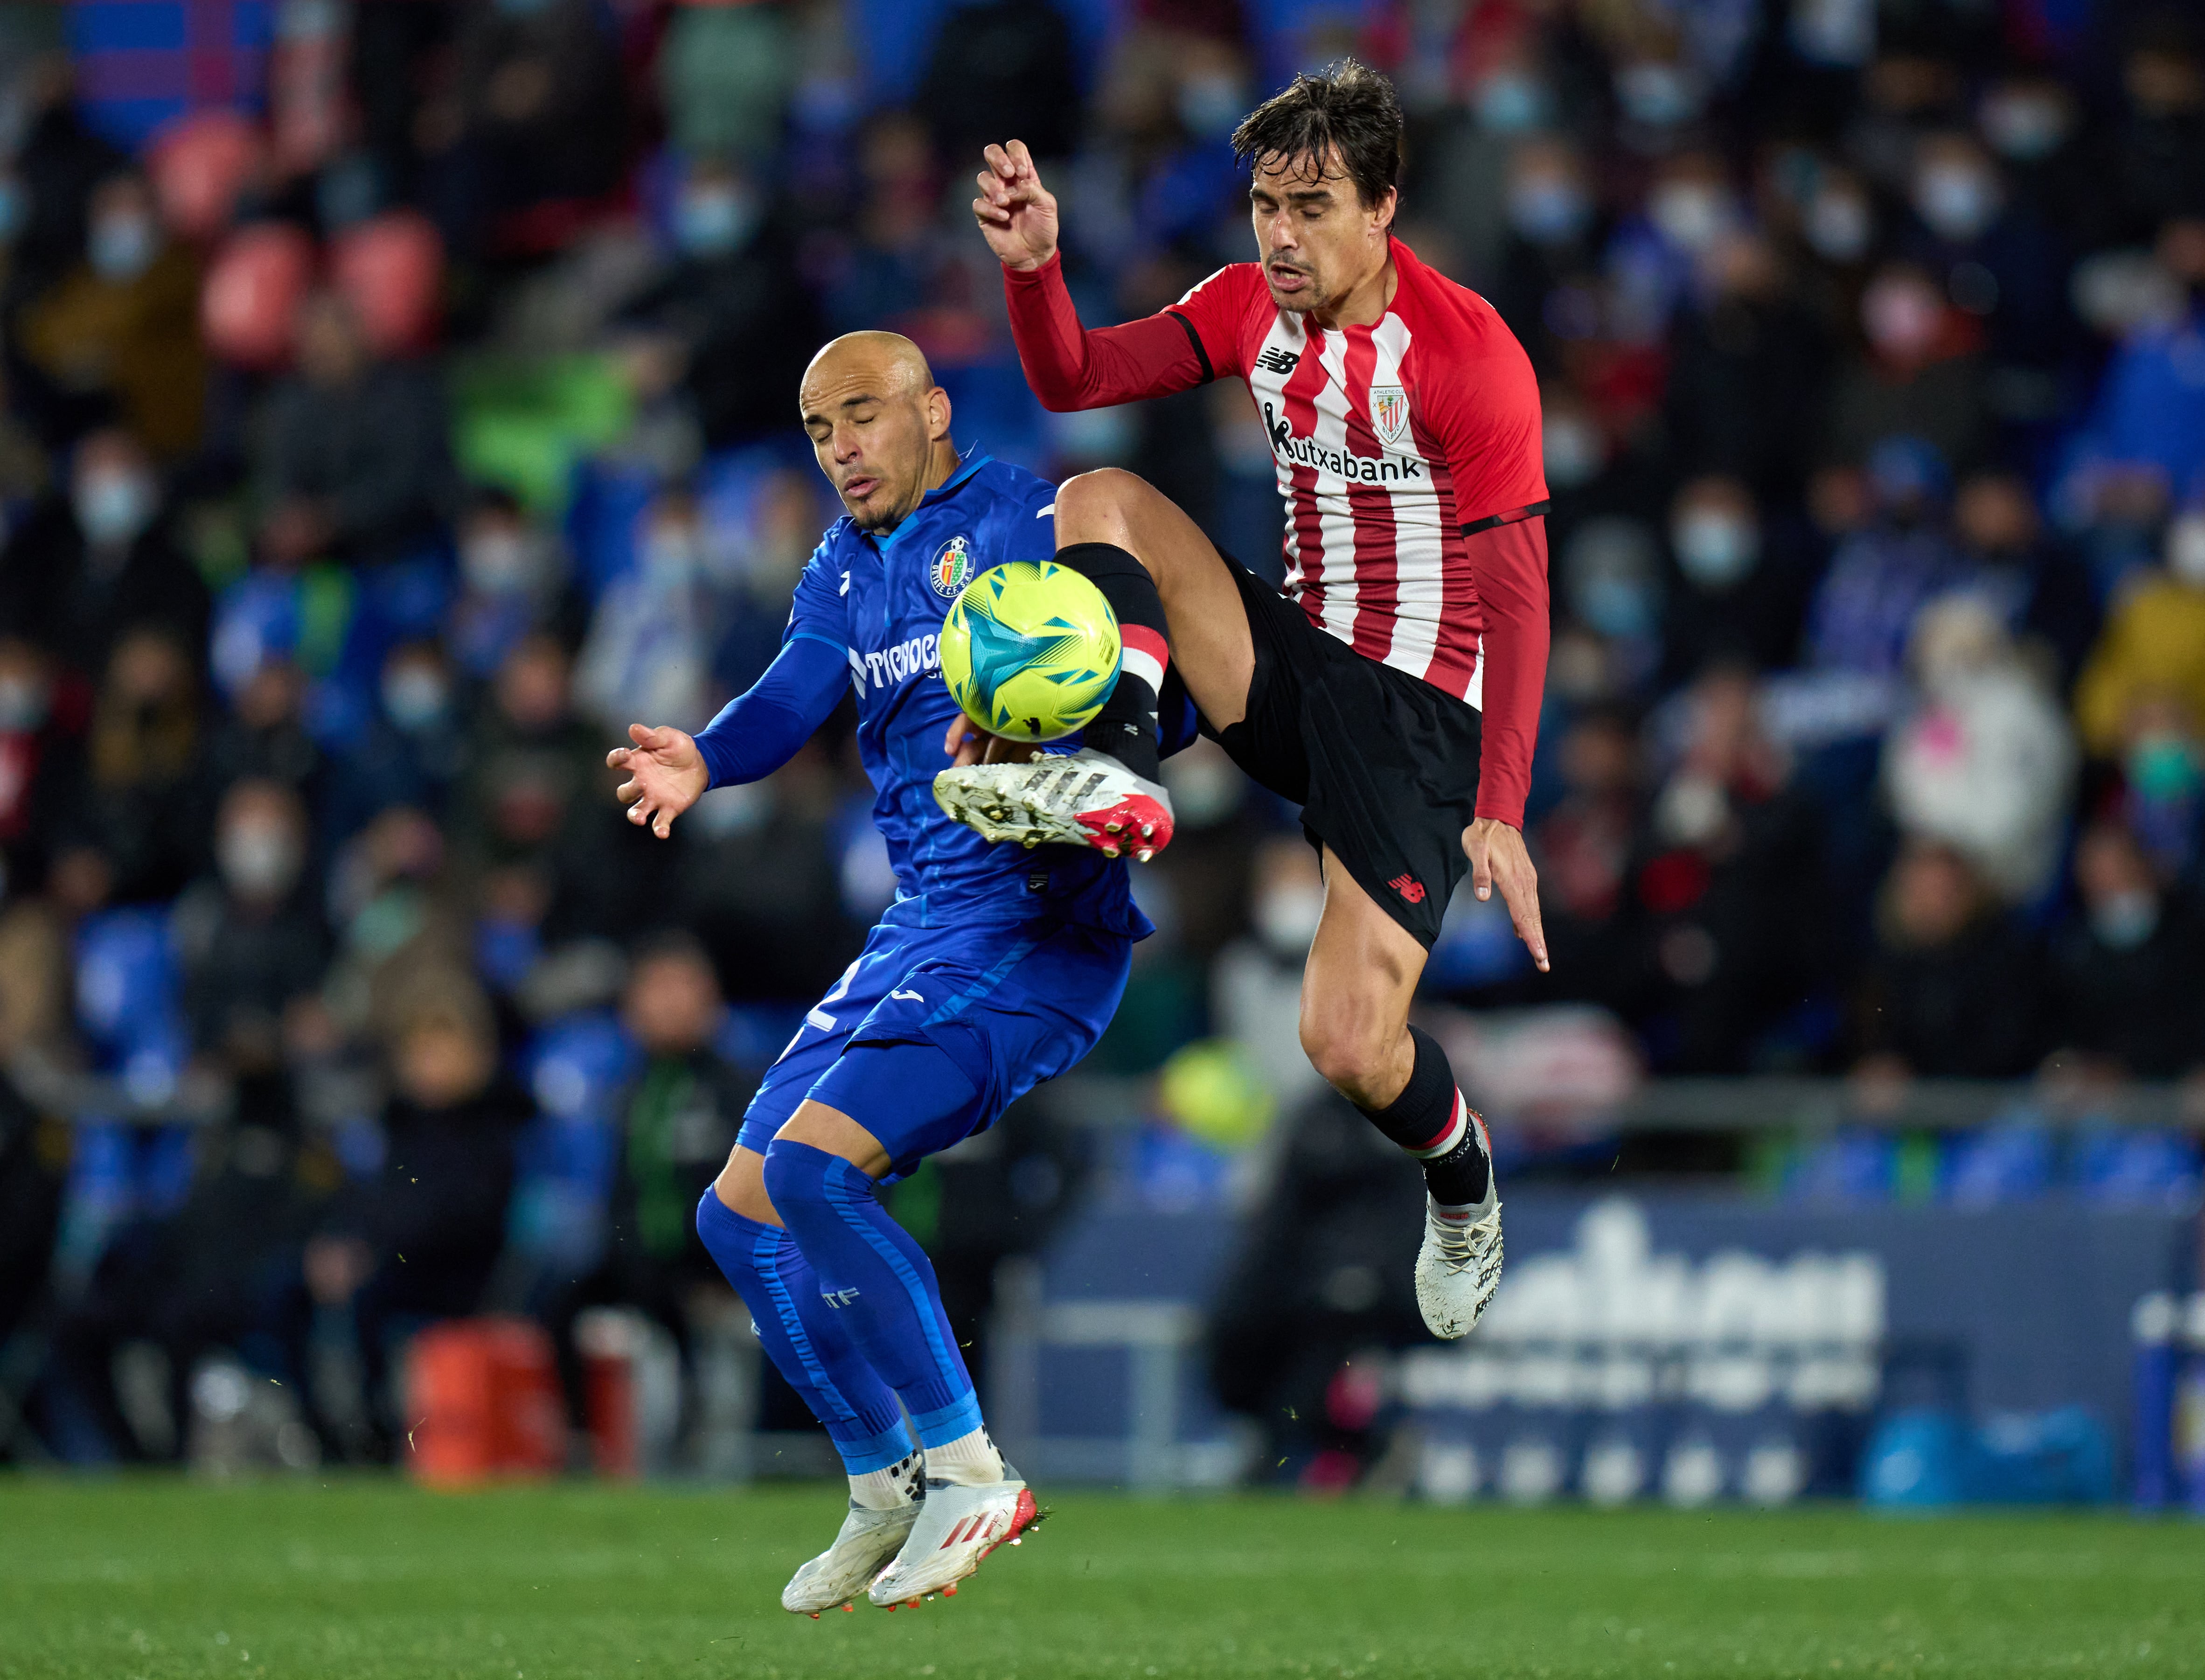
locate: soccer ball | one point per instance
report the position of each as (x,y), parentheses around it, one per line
(1030,650)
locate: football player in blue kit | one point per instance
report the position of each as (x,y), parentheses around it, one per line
(995,968)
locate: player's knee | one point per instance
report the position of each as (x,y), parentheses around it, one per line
(793,1180)
(1350,1054)
(741,1189)
(1097,507)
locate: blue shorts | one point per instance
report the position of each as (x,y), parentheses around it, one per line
(933,1033)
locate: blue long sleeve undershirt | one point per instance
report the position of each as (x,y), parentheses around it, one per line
(760,730)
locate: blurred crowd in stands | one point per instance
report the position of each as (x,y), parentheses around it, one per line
(399,402)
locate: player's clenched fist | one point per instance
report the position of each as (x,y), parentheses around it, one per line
(1016,213)
(666,775)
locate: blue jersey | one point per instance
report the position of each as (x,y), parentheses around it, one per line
(877,602)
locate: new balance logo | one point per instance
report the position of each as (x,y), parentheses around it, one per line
(1409,887)
(1276,360)
(838,1299)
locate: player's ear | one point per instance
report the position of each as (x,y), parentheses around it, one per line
(938,413)
(1381,215)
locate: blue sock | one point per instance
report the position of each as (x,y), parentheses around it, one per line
(808,1343)
(880,1283)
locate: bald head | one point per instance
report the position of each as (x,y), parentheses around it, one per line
(887,361)
(879,424)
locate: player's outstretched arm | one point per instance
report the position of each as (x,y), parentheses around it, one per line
(666,775)
(1498,858)
(1016,213)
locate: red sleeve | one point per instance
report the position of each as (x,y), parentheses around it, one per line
(1478,388)
(1509,564)
(1214,312)
(1071,367)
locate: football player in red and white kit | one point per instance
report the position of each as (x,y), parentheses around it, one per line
(1392,689)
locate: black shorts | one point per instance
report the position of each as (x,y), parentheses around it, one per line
(1383,765)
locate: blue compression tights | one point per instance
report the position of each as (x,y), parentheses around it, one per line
(808,1342)
(878,1285)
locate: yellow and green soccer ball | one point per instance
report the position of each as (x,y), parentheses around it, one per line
(1030,650)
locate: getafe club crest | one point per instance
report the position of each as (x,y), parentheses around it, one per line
(951,569)
(1389,413)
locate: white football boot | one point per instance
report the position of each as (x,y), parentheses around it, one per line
(958,1527)
(867,1541)
(1085,798)
(1459,1268)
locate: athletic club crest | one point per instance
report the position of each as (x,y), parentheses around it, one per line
(1389,413)
(951,569)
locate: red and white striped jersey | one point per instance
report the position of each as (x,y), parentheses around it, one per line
(1408,455)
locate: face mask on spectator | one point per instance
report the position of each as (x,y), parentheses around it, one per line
(1573,451)
(1660,95)
(122,246)
(1616,605)
(1205,788)
(1691,810)
(1957,200)
(1510,102)
(1287,918)
(498,562)
(1715,549)
(23,702)
(257,860)
(15,207)
(1548,209)
(2161,769)
(670,555)
(2185,549)
(1837,227)
(416,696)
(2025,124)
(2127,919)
(1212,104)
(1691,214)
(716,218)
(112,508)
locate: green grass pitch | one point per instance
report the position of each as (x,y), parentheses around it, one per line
(360,1579)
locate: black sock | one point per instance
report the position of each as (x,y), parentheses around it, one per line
(1430,1121)
(1125,727)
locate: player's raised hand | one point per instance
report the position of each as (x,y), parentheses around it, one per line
(666,775)
(1497,859)
(1016,214)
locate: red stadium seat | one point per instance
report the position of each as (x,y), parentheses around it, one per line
(252,292)
(483,1401)
(392,269)
(200,165)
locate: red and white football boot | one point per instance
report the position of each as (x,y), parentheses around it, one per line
(958,1527)
(1085,798)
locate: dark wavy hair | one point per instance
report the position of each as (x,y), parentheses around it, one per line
(1348,105)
